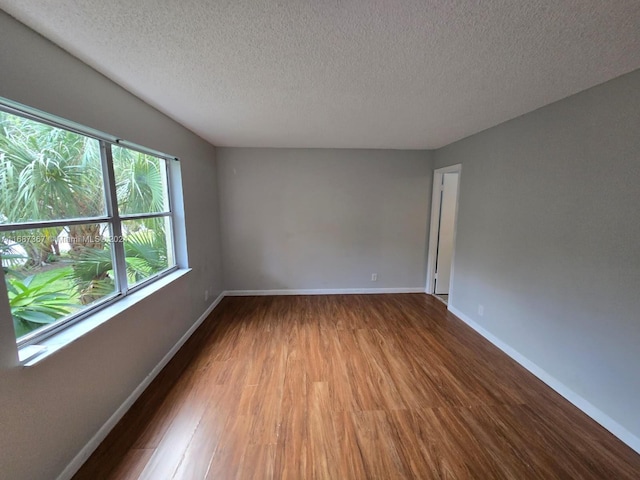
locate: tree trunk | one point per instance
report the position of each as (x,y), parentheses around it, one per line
(85,236)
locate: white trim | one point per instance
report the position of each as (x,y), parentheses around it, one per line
(101,434)
(321,291)
(596,414)
(82,456)
(592,411)
(437,298)
(115,306)
(433,229)
(433,233)
(41,116)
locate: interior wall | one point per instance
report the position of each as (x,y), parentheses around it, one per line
(324,219)
(49,412)
(547,240)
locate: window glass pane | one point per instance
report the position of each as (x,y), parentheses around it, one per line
(141,182)
(47,173)
(148,249)
(53,273)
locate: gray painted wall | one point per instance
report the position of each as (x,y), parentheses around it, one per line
(50,411)
(323,219)
(548,240)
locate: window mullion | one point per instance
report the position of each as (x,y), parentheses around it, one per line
(95,268)
(112,210)
(9,227)
(143,216)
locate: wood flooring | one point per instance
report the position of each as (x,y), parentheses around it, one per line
(351,387)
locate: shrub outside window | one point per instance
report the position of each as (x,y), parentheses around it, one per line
(83,221)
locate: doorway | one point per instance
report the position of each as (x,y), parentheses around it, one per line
(444,213)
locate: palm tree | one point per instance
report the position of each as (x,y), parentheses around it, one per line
(140,188)
(145,255)
(140,182)
(48,173)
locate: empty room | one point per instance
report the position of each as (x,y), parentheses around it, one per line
(307,239)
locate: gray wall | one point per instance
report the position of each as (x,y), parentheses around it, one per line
(50,411)
(549,240)
(324,219)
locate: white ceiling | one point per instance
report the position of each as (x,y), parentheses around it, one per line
(344,73)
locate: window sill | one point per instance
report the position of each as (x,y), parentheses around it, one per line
(33,354)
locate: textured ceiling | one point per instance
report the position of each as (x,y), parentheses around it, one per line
(341,73)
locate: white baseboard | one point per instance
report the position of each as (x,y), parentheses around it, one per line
(97,439)
(321,291)
(595,413)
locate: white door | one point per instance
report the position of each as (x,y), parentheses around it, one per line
(445,232)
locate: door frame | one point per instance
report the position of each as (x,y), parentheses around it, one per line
(436,199)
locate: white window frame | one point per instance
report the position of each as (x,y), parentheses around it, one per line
(112,217)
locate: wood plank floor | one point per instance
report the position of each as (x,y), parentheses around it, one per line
(357,386)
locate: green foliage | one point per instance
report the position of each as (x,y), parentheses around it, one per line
(145,255)
(48,173)
(140,184)
(92,273)
(10,257)
(33,306)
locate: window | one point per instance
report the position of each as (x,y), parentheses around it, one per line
(84,221)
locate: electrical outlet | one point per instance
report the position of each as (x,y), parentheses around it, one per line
(374,277)
(481,310)
(206,295)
